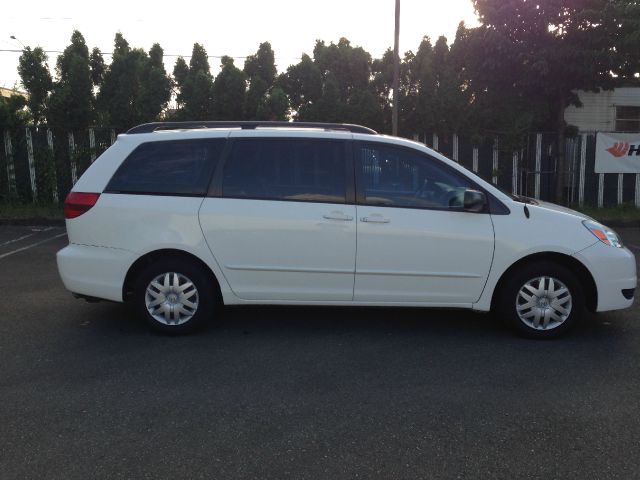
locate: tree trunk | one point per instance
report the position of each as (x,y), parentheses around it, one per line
(561,161)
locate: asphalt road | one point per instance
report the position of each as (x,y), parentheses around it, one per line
(86,391)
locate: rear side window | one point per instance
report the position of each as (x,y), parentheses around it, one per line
(180,167)
(287,169)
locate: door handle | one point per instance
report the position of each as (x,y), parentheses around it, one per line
(375,219)
(338,216)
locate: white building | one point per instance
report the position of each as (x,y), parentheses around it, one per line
(616,110)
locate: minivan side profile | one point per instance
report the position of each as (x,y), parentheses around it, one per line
(182,218)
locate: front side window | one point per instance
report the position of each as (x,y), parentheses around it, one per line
(180,167)
(400,177)
(286,169)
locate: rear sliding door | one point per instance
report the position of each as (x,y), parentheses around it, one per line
(281,224)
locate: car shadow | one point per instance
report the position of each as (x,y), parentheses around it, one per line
(442,324)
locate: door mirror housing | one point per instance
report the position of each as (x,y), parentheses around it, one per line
(474,200)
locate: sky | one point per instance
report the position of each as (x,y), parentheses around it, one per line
(234,28)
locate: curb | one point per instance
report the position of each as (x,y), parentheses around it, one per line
(28,222)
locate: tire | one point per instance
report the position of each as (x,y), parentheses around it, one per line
(172,310)
(542,300)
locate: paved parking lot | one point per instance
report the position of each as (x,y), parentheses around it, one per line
(86,391)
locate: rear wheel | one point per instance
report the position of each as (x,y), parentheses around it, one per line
(174,296)
(542,300)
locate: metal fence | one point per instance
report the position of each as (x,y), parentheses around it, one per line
(531,169)
(41,165)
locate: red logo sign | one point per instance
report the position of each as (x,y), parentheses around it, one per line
(619,149)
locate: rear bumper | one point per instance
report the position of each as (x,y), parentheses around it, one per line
(614,270)
(94,271)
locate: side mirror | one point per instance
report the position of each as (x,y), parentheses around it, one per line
(474,201)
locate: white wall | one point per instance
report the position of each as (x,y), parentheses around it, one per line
(598,109)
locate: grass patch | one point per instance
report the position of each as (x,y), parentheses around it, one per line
(24,211)
(625,213)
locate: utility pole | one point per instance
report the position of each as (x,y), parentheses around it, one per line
(396,73)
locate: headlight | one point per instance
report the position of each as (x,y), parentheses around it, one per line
(602,233)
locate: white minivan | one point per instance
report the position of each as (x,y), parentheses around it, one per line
(182,218)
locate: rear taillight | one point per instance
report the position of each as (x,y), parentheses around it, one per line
(78,203)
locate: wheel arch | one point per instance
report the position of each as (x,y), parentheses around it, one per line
(153,256)
(578,268)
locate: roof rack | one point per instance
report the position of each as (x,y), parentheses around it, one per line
(155,126)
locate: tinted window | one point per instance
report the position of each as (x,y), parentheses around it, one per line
(182,167)
(286,169)
(401,177)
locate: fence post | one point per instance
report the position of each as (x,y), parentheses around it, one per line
(620,187)
(435,142)
(11,171)
(536,193)
(54,177)
(583,161)
(514,174)
(455,147)
(600,190)
(475,159)
(113,136)
(32,165)
(72,160)
(494,166)
(92,144)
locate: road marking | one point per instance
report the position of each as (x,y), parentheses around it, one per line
(16,239)
(31,246)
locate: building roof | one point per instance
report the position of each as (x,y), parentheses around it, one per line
(7,92)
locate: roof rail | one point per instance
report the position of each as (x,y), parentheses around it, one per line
(249,125)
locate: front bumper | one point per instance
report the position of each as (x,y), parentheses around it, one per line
(614,270)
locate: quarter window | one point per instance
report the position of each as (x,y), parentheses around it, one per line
(181,167)
(286,169)
(400,177)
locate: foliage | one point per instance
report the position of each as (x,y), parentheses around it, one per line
(98,68)
(15,210)
(36,80)
(303,84)
(71,102)
(514,73)
(540,54)
(260,71)
(12,112)
(135,88)
(334,87)
(195,84)
(228,91)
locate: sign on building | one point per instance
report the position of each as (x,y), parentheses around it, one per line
(617,153)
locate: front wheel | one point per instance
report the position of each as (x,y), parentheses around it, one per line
(542,300)
(174,296)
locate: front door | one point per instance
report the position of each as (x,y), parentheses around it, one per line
(415,243)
